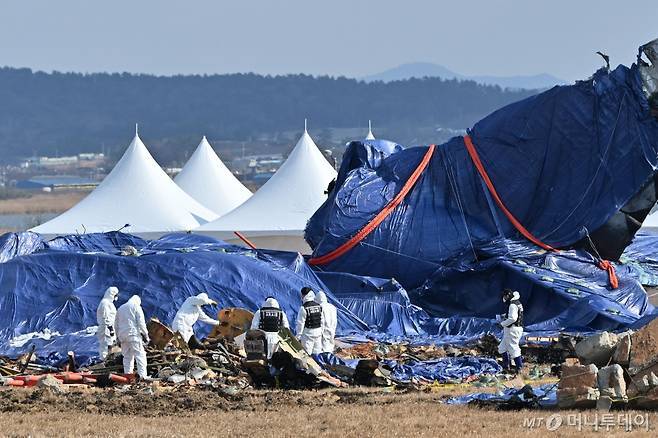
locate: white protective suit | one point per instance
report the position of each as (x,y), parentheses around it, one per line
(132,334)
(191,312)
(329,322)
(511,333)
(105,316)
(272,337)
(311,338)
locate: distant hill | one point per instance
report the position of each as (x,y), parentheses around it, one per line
(67,113)
(426,69)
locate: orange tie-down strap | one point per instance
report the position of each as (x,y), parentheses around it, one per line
(472,152)
(383,214)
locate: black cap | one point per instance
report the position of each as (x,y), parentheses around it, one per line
(306,290)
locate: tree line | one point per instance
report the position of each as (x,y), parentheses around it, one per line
(67,113)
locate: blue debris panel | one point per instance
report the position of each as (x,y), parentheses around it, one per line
(50,290)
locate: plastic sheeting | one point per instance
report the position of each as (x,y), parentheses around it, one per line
(442,370)
(57,285)
(563,161)
(545,396)
(383,304)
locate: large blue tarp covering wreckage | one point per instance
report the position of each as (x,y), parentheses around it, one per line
(50,290)
(575,165)
(569,164)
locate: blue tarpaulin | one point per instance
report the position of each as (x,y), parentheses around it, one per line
(57,285)
(441,370)
(545,396)
(563,162)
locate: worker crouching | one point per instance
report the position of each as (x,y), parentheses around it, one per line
(190,312)
(512,323)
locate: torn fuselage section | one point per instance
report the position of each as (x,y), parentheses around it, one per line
(611,239)
(649,74)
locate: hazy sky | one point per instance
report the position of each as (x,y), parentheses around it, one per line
(336,37)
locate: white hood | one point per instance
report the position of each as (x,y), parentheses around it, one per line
(271,302)
(111,293)
(322,297)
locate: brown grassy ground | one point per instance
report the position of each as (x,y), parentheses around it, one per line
(38,203)
(342,413)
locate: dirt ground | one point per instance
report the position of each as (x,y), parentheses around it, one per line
(354,412)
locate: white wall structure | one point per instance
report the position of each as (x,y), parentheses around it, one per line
(137,192)
(205,178)
(276,215)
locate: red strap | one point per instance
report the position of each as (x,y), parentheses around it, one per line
(612,274)
(374,223)
(244,239)
(483,173)
(603,264)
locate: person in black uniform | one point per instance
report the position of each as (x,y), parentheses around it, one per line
(270,319)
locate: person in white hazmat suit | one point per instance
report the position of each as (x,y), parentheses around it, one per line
(105,316)
(309,323)
(270,319)
(329,322)
(133,336)
(189,313)
(512,323)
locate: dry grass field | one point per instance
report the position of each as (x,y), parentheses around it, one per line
(42,203)
(334,413)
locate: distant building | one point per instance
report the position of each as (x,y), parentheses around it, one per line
(83,160)
(59,182)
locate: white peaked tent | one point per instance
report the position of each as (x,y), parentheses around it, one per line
(276,215)
(205,178)
(370,136)
(137,192)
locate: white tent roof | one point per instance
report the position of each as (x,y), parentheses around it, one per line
(370,136)
(287,200)
(205,178)
(137,192)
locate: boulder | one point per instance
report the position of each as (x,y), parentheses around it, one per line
(622,354)
(597,349)
(604,403)
(649,400)
(575,376)
(611,381)
(50,383)
(643,380)
(577,398)
(644,347)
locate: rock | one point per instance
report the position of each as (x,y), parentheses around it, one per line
(576,376)
(597,349)
(644,347)
(622,354)
(643,380)
(648,400)
(52,384)
(176,378)
(604,403)
(611,381)
(582,397)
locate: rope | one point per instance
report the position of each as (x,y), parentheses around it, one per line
(379,218)
(483,173)
(472,152)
